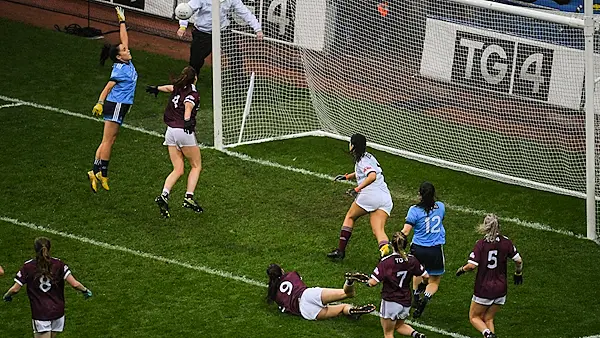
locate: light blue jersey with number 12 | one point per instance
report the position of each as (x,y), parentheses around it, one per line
(429,230)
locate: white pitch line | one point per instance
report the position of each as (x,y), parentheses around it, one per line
(200,268)
(11,105)
(244,157)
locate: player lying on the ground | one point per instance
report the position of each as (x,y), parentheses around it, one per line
(180,137)
(426,219)
(118,93)
(371,197)
(489,257)
(290,293)
(45,277)
(395,272)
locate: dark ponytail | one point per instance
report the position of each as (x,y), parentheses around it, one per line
(399,242)
(359,146)
(427,192)
(185,79)
(274,272)
(42,257)
(109,51)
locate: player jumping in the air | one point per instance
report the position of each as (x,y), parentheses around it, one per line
(180,117)
(290,293)
(45,277)
(395,272)
(489,257)
(426,218)
(371,197)
(118,93)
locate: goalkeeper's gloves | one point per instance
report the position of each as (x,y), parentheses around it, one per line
(87,293)
(97,110)
(120,14)
(152,90)
(353,192)
(7,298)
(460,271)
(341,177)
(187,126)
(518,277)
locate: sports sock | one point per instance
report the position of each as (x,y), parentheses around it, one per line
(104,167)
(428,295)
(414,333)
(96,165)
(382,243)
(165,193)
(344,237)
(486,332)
(189,194)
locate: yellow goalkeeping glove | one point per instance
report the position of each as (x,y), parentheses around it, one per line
(120,14)
(97,110)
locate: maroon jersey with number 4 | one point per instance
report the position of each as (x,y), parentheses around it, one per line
(175,111)
(290,290)
(46,295)
(396,275)
(490,259)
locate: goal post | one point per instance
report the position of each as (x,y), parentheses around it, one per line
(477,86)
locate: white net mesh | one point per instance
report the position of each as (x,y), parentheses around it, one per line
(494,94)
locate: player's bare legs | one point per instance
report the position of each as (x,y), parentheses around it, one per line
(43,335)
(54,334)
(489,316)
(194,158)
(111,129)
(388,327)
(335,295)
(477,315)
(331,311)
(378,219)
(178,167)
(354,213)
(433,284)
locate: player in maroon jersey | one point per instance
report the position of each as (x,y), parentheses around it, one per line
(290,293)
(45,277)
(396,272)
(490,257)
(180,117)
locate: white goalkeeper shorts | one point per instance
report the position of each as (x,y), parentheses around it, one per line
(393,310)
(310,303)
(179,138)
(489,302)
(373,200)
(41,326)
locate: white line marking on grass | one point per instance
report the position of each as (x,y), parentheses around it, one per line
(244,157)
(183,264)
(11,105)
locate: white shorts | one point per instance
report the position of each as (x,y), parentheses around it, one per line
(393,310)
(488,302)
(310,303)
(371,201)
(179,138)
(41,326)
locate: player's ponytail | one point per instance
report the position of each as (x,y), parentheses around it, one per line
(358,146)
(42,257)
(274,272)
(185,79)
(427,192)
(399,242)
(490,228)
(109,51)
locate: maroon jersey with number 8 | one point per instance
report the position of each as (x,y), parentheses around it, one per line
(46,295)
(175,111)
(490,259)
(289,292)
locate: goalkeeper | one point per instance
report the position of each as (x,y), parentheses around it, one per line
(202,33)
(115,101)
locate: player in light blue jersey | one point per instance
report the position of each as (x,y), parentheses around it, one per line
(118,94)
(426,219)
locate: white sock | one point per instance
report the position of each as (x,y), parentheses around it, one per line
(189,193)
(165,192)
(486,331)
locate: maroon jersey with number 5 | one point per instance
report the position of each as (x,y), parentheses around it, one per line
(396,274)
(46,295)
(175,111)
(490,259)
(290,290)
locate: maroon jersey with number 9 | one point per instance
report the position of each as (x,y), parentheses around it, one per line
(289,292)
(46,295)
(175,111)
(490,259)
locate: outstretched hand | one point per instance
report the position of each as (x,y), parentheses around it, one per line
(152,90)
(120,13)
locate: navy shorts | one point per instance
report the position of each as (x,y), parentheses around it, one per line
(115,112)
(431,257)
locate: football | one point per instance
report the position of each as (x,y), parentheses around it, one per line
(183,11)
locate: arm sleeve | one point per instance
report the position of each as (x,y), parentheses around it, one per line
(475,255)
(378,272)
(118,74)
(21,276)
(195,4)
(246,15)
(513,253)
(416,268)
(411,217)
(66,271)
(192,98)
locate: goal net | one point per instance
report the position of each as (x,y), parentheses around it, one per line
(464,87)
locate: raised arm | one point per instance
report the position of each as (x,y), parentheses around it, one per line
(195,5)
(248,17)
(122,27)
(154,90)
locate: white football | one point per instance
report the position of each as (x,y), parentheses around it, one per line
(183,11)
